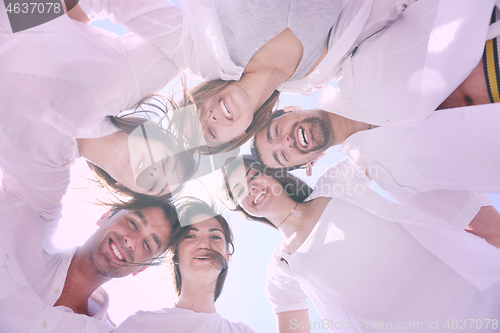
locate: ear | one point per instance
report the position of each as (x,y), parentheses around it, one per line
(140,270)
(292,108)
(103,218)
(310,164)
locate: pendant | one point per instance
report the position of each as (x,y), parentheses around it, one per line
(296,213)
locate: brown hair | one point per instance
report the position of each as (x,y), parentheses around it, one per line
(294,187)
(261,117)
(186,159)
(190,208)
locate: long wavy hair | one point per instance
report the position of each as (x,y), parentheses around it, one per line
(261,117)
(153,107)
(187,210)
(293,186)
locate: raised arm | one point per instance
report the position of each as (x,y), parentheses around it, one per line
(76,13)
(293,321)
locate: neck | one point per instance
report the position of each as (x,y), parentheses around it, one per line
(79,285)
(197,296)
(102,151)
(344,127)
(288,224)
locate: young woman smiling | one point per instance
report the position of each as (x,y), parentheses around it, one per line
(359,257)
(201,251)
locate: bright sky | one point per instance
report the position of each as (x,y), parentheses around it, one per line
(243,297)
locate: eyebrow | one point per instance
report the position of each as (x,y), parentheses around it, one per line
(268,134)
(275,155)
(210,230)
(141,217)
(145,223)
(246,175)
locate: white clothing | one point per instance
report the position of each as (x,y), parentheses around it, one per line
(59,81)
(310,22)
(470,256)
(203,50)
(400,75)
(32,276)
(439,166)
(357,267)
(180,321)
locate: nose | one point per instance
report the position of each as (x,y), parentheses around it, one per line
(253,188)
(130,242)
(286,142)
(211,116)
(203,242)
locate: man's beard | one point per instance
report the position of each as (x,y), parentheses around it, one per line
(319,132)
(102,264)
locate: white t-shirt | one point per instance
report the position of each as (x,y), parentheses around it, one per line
(180,321)
(358,267)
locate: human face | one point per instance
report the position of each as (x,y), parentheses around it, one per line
(128,240)
(226,115)
(294,138)
(258,194)
(147,166)
(195,251)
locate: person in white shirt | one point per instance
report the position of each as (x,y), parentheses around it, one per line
(451,158)
(201,251)
(59,290)
(248,54)
(366,263)
(63,86)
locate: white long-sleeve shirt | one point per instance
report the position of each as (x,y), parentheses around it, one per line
(59,82)
(371,260)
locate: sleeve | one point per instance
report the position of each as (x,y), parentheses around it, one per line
(284,293)
(188,34)
(158,21)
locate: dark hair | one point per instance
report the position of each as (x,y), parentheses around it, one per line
(189,208)
(159,106)
(261,117)
(169,212)
(299,190)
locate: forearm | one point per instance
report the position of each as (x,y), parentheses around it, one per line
(293,321)
(75,11)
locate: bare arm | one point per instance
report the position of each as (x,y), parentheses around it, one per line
(76,12)
(292,321)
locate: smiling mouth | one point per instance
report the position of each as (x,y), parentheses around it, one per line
(203,258)
(303,140)
(225,111)
(115,250)
(259,197)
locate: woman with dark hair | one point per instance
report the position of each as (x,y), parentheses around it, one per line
(63,86)
(200,254)
(249,51)
(365,262)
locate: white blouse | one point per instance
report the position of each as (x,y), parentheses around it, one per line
(59,81)
(180,321)
(358,268)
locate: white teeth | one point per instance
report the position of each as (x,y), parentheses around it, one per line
(303,137)
(259,197)
(116,252)
(226,112)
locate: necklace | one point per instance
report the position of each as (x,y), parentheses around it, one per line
(292,211)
